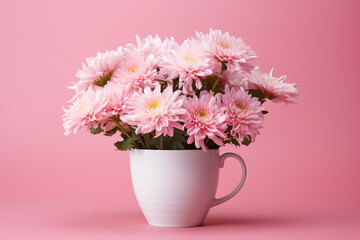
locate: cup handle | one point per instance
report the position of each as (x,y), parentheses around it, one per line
(222,158)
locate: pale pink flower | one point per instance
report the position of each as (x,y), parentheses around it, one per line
(137,70)
(118,96)
(204,118)
(97,71)
(244,113)
(233,51)
(190,63)
(271,87)
(235,78)
(153,46)
(153,110)
(86,110)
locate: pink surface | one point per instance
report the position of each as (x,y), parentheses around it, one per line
(303,171)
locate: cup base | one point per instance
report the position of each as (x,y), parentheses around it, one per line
(164,225)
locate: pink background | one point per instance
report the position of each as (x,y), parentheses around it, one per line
(303,171)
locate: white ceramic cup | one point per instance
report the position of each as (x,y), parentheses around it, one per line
(176,188)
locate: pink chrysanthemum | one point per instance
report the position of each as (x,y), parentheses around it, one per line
(97,71)
(153,46)
(204,118)
(153,110)
(190,63)
(137,70)
(87,109)
(227,49)
(235,78)
(118,96)
(271,87)
(244,113)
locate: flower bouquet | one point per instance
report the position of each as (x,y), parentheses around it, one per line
(164,101)
(159,94)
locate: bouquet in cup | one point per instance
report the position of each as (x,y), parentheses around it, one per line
(159,94)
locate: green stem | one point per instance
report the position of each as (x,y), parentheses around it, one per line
(222,70)
(142,141)
(196,92)
(162,142)
(116,121)
(223,67)
(216,82)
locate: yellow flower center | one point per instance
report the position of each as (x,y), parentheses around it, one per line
(153,104)
(190,58)
(201,113)
(240,106)
(103,80)
(225,45)
(84,106)
(133,68)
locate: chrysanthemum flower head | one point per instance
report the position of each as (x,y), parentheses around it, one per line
(155,110)
(153,46)
(204,118)
(136,69)
(87,109)
(233,51)
(235,78)
(97,71)
(189,63)
(271,87)
(118,96)
(244,113)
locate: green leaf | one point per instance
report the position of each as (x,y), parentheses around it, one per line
(111,132)
(95,130)
(163,86)
(150,141)
(226,141)
(175,84)
(176,141)
(235,142)
(210,144)
(247,141)
(255,93)
(133,135)
(124,145)
(264,112)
